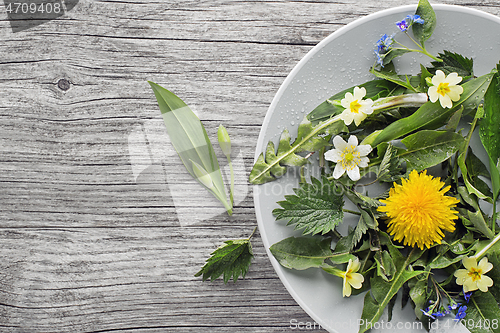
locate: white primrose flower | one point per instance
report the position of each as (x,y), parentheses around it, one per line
(356,108)
(348,156)
(445,88)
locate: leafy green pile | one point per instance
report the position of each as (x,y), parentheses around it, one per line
(404,137)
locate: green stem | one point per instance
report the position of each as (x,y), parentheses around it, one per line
(422,49)
(253,232)
(487,247)
(231,187)
(351,211)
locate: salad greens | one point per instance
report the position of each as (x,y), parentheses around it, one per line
(433,233)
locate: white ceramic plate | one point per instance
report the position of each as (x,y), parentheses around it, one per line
(338,62)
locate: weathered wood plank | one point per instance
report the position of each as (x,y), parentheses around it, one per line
(95,235)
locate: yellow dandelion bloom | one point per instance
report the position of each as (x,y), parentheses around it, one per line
(418,211)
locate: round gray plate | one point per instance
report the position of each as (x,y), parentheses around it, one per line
(338,62)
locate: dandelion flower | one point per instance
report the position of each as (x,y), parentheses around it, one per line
(351,278)
(445,88)
(472,277)
(348,156)
(356,108)
(418,211)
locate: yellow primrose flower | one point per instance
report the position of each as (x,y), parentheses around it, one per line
(418,211)
(351,278)
(445,88)
(356,108)
(348,156)
(472,277)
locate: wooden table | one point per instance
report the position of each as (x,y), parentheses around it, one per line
(101,230)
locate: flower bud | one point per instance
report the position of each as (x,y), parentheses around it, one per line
(224,140)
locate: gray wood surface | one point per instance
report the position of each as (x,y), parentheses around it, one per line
(100,228)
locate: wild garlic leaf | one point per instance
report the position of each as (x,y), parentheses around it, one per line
(423,32)
(453,62)
(483,308)
(429,148)
(489,131)
(310,138)
(231,259)
(316,207)
(305,252)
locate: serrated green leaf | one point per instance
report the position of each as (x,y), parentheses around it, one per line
(454,62)
(231,259)
(482,309)
(389,168)
(309,139)
(305,252)
(316,207)
(428,148)
(382,291)
(432,115)
(423,32)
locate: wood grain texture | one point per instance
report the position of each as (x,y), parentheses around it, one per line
(100,228)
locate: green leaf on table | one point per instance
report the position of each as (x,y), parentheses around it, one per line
(453,62)
(423,32)
(382,291)
(428,148)
(316,207)
(375,89)
(190,140)
(482,308)
(310,138)
(489,131)
(305,252)
(231,259)
(432,115)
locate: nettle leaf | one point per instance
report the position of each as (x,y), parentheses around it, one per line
(432,115)
(232,259)
(270,166)
(423,32)
(316,207)
(305,252)
(428,148)
(453,62)
(489,131)
(383,291)
(482,308)
(375,89)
